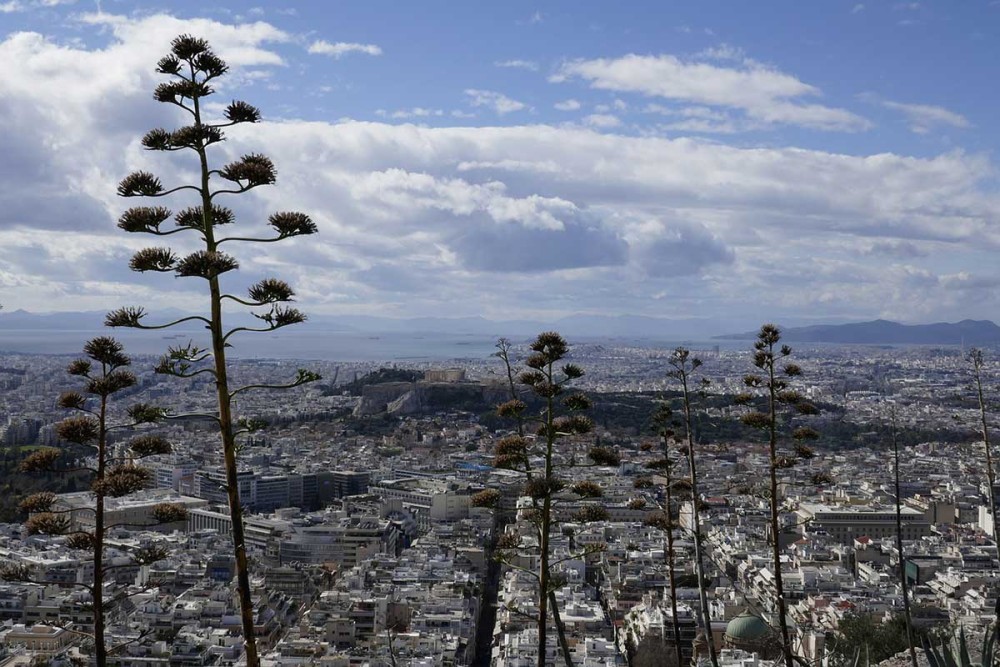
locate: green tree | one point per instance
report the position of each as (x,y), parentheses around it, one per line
(193,69)
(561,416)
(773,382)
(105,373)
(863,635)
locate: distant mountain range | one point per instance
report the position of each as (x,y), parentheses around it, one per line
(580,326)
(884,332)
(590,326)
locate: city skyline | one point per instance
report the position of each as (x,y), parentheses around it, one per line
(535,159)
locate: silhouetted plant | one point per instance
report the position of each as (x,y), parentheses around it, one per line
(683,366)
(774,384)
(561,416)
(975,359)
(105,373)
(904,584)
(665,519)
(193,67)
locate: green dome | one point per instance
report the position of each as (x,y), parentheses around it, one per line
(747,627)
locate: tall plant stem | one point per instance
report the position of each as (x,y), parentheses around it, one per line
(786,646)
(100,648)
(226,418)
(976,357)
(899,540)
(706,618)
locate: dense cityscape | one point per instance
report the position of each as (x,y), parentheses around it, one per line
(368,547)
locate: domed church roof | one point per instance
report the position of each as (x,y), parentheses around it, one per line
(747,627)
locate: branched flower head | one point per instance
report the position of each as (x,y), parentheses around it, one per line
(143,219)
(252,169)
(587,489)
(144,413)
(129,316)
(604,456)
(148,555)
(551,345)
(80,430)
(112,382)
(47,523)
(281,316)
(149,445)
(486,498)
(291,223)
(511,453)
(159,260)
(270,290)
(194,218)
(42,460)
(756,420)
(206,264)
(192,136)
(106,350)
(140,184)
(512,408)
(38,502)
(541,487)
(509,541)
(72,400)
(80,540)
(241,112)
(573,425)
(169,513)
(187,47)
(122,480)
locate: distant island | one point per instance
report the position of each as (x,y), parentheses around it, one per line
(884,332)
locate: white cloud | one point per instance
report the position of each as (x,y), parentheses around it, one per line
(470,220)
(567,105)
(500,103)
(415,112)
(858,8)
(602,120)
(924,117)
(339,49)
(518,64)
(763,93)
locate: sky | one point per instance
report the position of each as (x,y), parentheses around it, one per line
(729,160)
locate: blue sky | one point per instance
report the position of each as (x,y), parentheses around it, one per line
(749,161)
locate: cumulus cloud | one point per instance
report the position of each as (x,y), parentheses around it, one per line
(472,220)
(763,93)
(498,102)
(567,105)
(604,120)
(340,49)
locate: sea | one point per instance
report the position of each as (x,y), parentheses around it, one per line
(322,345)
